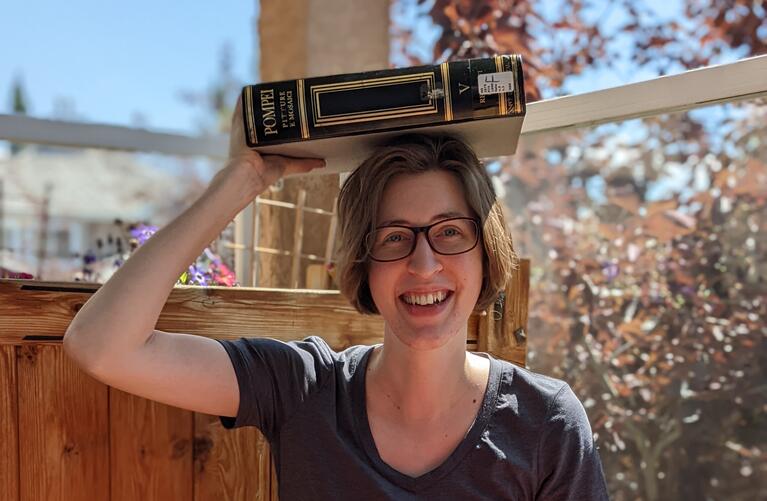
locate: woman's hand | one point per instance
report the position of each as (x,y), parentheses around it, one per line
(266,169)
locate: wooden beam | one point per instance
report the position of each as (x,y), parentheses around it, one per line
(35,312)
(40,311)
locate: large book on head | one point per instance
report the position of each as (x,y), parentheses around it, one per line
(342,118)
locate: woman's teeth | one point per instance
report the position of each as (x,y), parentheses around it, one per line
(425,299)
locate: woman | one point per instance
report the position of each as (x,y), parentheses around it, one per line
(423,244)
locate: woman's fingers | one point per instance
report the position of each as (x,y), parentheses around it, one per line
(270,167)
(237,133)
(285,166)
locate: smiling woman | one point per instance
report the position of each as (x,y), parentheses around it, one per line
(424,244)
(360,205)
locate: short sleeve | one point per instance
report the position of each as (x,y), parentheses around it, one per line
(568,460)
(275,378)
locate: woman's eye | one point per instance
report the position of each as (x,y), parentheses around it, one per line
(394,238)
(450,232)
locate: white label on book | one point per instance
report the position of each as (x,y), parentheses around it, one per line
(496,83)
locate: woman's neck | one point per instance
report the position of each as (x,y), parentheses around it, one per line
(423,385)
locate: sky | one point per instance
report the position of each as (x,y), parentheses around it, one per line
(127,64)
(122,63)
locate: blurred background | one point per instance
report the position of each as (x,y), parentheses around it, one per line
(647,237)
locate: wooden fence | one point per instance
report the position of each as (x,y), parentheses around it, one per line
(65,436)
(317,276)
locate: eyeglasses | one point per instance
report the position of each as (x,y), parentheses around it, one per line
(447,237)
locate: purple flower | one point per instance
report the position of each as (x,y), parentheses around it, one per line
(89,257)
(610,270)
(142,232)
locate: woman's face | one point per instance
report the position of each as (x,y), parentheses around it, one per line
(418,200)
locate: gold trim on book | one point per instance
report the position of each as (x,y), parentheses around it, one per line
(502,108)
(249,113)
(372,115)
(320,120)
(370,119)
(446,89)
(517,92)
(366,82)
(302,109)
(383,111)
(419,108)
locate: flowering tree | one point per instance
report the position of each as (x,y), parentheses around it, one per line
(647,239)
(654,310)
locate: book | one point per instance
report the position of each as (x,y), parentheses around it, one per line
(343,117)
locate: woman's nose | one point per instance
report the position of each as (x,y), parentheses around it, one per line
(423,261)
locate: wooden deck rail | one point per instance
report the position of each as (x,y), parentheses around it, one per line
(65,436)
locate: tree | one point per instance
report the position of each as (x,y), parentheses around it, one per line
(649,290)
(18,107)
(560,39)
(217,101)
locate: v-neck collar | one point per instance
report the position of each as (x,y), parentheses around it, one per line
(415,484)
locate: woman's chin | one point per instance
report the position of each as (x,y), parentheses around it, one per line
(426,338)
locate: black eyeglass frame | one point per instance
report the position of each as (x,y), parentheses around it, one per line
(425,230)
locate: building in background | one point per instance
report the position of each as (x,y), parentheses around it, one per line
(87,190)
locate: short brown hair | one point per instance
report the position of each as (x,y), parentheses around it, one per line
(413,154)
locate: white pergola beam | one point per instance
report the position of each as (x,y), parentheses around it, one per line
(744,79)
(22,129)
(741,80)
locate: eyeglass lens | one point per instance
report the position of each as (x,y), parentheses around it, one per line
(453,236)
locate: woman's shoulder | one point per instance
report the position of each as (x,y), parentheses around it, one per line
(534,395)
(517,378)
(312,353)
(346,359)
(545,414)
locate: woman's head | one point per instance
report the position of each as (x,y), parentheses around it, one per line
(418,158)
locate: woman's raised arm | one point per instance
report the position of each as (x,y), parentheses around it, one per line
(113,336)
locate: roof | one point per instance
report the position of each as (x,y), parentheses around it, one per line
(86,184)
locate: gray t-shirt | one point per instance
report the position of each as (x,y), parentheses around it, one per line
(531,439)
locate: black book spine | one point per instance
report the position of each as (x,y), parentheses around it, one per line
(375,101)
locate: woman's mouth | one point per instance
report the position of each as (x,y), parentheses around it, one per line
(425,299)
(429,303)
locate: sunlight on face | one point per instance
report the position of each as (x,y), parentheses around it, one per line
(418,200)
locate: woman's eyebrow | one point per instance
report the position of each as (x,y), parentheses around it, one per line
(442,215)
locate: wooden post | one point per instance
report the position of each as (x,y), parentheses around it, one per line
(9,425)
(330,244)
(220,457)
(305,38)
(2,226)
(42,241)
(146,432)
(243,227)
(255,241)
(63,428)
(298,240)
(503,327)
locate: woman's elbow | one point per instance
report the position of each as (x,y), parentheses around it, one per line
(80,350)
